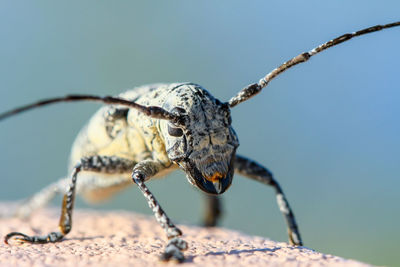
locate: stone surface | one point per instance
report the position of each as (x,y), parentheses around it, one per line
(127,239)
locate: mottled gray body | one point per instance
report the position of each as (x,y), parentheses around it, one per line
(122,132)
(129,134)
(121,144)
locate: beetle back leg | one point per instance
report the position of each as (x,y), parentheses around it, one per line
(213,210)
(40,199)
(26,207)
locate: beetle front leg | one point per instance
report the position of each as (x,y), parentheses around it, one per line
(65,219)
(142,172)
(257,172)
(101,164)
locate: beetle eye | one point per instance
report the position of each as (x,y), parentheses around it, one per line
(229,120)
(174,131)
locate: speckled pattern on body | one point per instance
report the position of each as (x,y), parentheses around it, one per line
(121,146)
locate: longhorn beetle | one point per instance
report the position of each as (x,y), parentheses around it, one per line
(152,130)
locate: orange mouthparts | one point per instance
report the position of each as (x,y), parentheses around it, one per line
(215,177)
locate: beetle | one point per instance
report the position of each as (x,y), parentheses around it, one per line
(152,130)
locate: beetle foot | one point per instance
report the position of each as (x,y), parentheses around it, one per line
(173,251)
(23,238)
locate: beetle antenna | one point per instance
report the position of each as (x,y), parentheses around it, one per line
(151,111)
(255,88)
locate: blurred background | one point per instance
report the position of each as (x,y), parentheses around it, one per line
(328,129)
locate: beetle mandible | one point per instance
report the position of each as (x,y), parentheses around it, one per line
(152,130)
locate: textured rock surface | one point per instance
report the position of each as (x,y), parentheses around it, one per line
(122,239)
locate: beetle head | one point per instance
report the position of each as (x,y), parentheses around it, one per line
(204,145)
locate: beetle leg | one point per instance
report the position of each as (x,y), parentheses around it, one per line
(26,207)
(40,199)
(142,172)
(95,164)
(213,210)
(255,171)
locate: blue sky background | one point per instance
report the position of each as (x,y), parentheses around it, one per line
(328,129)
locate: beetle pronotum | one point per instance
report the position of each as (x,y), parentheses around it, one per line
(152,130)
